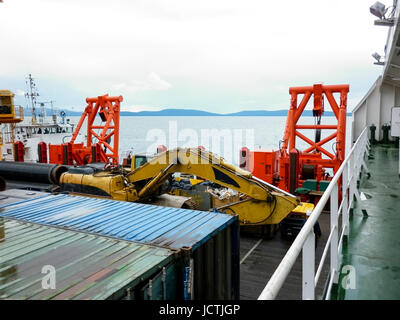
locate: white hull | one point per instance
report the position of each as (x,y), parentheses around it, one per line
(32,135)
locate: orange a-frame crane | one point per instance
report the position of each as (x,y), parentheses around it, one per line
(108,108)
(289,167)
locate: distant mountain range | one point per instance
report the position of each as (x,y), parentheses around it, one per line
(192,113)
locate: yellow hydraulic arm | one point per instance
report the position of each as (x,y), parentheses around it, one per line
(263,204)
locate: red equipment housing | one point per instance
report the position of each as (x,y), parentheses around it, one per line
(42,152)
(108,108)
(289,167)
(19,151)
(261,163)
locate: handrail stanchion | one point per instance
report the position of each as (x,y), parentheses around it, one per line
(309,267)
(353,182)
(335,237)
(305,240)
(346,197)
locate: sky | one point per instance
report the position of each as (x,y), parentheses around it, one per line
(219,56)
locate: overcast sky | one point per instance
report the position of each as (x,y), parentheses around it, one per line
(214,55)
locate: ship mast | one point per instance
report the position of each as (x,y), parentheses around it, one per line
(31,95)
(42,114)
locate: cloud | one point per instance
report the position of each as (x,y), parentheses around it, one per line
(152,82)
(20,92)
(209,54)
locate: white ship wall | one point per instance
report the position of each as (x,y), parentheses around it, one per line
(375,108)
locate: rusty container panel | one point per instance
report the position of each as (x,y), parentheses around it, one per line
(208,242)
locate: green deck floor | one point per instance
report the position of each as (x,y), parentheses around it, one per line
(372,249)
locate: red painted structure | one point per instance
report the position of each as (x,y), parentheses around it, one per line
(289,167)
(98,144)
(19,151)
(42,152)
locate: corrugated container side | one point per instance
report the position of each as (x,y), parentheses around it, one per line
(216,266)
(208,241)
(85,266)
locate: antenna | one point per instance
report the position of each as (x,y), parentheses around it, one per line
(31,96)
(42,113)
(43,110)
(63,115)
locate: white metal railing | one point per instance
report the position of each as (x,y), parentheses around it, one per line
(305,240)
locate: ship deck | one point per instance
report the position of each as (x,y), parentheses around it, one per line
(373,246)
(259,259)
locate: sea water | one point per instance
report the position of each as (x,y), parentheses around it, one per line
(222,135)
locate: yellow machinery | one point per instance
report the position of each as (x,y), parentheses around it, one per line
(136,160)
(8,116)
(262,204)
(303,210)
(193,181)
(7,108)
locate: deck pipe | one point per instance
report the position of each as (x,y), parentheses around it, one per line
(32,172)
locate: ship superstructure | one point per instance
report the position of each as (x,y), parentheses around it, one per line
(38,128)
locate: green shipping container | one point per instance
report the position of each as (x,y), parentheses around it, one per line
(85,266)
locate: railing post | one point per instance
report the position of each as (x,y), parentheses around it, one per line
(345,199)
(309,267)
(305,241)
(354,176)
(334,239)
